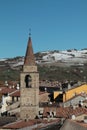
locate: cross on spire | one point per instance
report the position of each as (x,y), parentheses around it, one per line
(29,32)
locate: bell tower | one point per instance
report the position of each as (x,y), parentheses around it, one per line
(29,85)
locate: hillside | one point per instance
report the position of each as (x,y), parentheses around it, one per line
(52,65)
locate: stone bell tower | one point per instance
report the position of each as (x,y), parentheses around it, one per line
(29,85)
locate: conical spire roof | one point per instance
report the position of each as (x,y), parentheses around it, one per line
(29,57)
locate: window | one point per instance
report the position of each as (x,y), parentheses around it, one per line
(28,81)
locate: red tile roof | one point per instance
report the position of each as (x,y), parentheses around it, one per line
(6,90)
(66,112)
(22,123)
(15,93)
(19,124)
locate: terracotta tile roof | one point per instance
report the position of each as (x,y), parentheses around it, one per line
(19,124)
(66,112)
(2,84)
(22,123)
(15,93)
(6,90)
(13,82)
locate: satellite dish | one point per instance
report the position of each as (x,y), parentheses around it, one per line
(73,117)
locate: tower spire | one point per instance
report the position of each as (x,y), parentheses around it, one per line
(29,57)
(29,84)
(29,32)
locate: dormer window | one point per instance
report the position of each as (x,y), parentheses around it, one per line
(28,81)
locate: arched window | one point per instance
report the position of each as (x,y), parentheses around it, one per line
(28,81)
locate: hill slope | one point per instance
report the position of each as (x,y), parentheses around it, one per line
(52,65)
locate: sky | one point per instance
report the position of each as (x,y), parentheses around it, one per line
(55,25)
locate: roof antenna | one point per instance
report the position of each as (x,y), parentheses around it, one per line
(29,32)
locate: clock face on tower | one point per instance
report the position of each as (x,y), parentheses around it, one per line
(28,81)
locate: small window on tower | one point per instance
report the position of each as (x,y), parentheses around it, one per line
(28,81)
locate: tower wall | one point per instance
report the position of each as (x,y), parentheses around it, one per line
(29,96)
